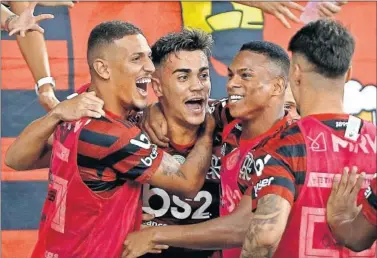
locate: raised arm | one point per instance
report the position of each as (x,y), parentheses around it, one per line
(34,50)
(32,148)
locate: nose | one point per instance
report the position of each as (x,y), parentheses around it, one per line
(197,85)
(233,83)
(149,66)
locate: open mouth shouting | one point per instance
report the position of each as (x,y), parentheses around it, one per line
(142,85)
(195,104)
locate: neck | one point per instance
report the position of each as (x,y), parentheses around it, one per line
(324,99)
(111,102)
(262,123)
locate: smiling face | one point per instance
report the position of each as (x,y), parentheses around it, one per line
(131,70)
(250,85)
(184,86)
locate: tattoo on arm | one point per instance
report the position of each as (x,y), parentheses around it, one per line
(171,167)
(263,221)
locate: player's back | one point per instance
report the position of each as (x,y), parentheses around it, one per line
(76,221)
(317,148)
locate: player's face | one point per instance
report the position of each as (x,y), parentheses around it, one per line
(290,104)
(132,70)
(185,86)
(249,85)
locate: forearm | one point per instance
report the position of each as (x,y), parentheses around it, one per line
(32,143)
(220,233)
(197,162)
(33,47)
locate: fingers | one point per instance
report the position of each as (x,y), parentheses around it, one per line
(147,217)
(147,129)
(343,181)
(281,18)
(332,7)
(90,113)
(289,14)
(359,184)
(92,96)
(42,17)
(22,33)
(38,28)
(351,180)
(158,132)
(335,186)
(161,247)
(293,5)
(14,31)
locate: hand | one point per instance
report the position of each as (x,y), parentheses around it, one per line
(341,206)
(57,3)
(140,243)
(155,125)
(146,217)
(27,21)
(281,10)
(47,97)
(329,9)
(83,105)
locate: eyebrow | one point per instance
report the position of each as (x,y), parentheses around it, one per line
(187,70)
(241,70)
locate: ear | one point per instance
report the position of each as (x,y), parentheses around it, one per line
(279,86)
(156,85)
(102,68)
(349,74)
(296,75)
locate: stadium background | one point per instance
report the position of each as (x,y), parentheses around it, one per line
(23,193)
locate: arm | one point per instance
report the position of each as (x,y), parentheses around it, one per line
(188,178)
(351,227)
(32,148)
(220,233)
(267,227)
(34,51)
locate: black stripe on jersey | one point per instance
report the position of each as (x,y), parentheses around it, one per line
(290,131)
(372,200)
(132,173)
(297,150)
(126,151)
(228,116)
(99,186)
(99,139)
(242,188)
(89,162)
(299,177)
(275,162)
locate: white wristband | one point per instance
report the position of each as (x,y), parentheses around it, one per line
(43,81)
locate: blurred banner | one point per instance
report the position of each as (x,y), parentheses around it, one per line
(231,25)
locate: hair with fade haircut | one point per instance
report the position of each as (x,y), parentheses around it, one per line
(326,44)
(106,33)
(185,40)
(273,52)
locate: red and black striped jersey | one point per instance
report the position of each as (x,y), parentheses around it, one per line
(111,151)
(369,203)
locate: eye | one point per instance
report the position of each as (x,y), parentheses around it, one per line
(136,58)
(230,76)
(204,76)
(182,78)
(246,75)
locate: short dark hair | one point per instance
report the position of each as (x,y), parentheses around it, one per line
(109,31)
(327,44)
(185,40)
(272,51)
